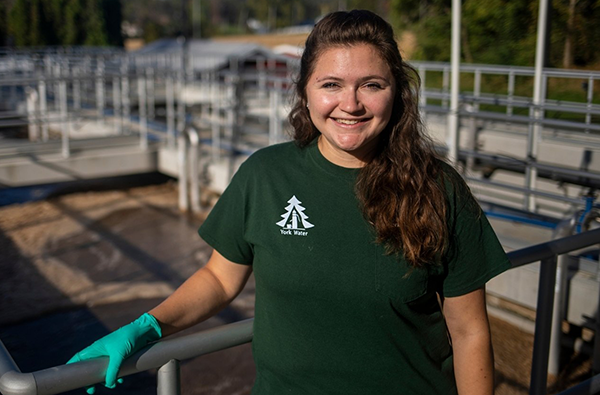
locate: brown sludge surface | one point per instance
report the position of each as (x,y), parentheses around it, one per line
(114,254)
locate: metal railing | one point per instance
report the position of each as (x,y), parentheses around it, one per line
(166,354)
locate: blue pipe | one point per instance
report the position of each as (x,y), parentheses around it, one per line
(589,204)
(522,219)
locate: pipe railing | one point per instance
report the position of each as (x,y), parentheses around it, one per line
(63,378)
(166,354)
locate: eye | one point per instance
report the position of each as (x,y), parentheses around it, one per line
(329,85)
(373,86)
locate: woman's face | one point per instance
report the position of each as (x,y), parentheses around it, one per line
(350,99)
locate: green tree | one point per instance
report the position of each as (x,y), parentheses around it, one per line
(430,21)
(575,33)
(73,20)
(95,33)
(501,31)
(26,23)
(65,22)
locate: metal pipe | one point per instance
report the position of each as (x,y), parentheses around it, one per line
(180,104)
(64,378)
(423,92)
(32,97)
(590,97)
(565,228)
(43,109)
(170,112)
(168,380)
(510,92)
(588,387)
(543,326)
(477,89)
(453,122)
(12,381)
(116,91)
(125,102)
(524,190)
(64,119)
(194,171)
(141,82)
(100,90)
(183,171)
(538,92)
(77,89)
(555,247)
(445,83)
(150,92)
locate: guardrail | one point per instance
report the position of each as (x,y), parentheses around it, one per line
(166,354)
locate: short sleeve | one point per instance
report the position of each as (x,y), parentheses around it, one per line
(474,254)
(224,228)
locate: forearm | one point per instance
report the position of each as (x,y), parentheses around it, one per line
(196,300)
(474,364)
(469,329)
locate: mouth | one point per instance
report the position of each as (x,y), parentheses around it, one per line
(348,121)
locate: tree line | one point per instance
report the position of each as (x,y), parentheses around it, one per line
(493,31)
(28,23)
(503,31)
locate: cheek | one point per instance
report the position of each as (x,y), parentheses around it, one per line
(383,108)
(322,105)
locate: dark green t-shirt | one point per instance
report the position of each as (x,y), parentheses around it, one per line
(334,314)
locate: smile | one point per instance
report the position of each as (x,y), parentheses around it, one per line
(348,121)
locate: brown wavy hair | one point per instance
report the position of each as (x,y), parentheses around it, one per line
(401,189)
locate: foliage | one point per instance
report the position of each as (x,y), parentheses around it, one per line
(499,31)
(64,22)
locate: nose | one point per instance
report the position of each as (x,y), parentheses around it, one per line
(350,102)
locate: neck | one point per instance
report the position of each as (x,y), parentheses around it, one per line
(352,160)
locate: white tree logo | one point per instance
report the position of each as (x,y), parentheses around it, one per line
(294,218)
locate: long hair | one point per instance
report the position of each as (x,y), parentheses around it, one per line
(401,189)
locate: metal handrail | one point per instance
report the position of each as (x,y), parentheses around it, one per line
(167,353)
(590,386)
(82,374)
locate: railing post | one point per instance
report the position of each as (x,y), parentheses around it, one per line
(32,113)
(100,99)
(168,379)
(170,111)
(141,83)
(64,119)
(590,98)
(423,93)
(43,109)
(543,326)
(116,104)
(182,161)
(193,171)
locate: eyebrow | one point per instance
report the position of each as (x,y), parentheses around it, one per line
(365,78)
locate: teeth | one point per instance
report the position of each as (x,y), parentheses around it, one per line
(347,121)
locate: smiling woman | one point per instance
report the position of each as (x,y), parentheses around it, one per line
(354,232)
(350,96)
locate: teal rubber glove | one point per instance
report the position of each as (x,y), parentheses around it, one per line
(119,345)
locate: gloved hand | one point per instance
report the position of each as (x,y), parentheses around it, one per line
(120,344)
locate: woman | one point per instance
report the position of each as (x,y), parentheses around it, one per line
(355,233)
